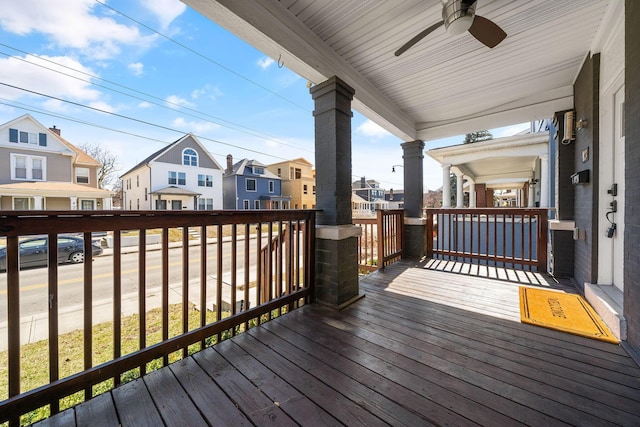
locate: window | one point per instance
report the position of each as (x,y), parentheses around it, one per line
(182,178)
(251,184)
(258,170)
(146,194)
(272,186)
(245,204)
(21,203)
(291,173)
(304,189)
(314,189)
(256,204)
(137,180)
(32,138)
(138,204)
(86,205)
(189,157)
(205,204)
(28,167)
(173,178)
(82,175)
(279,173)
(205,180)
(160,204)
(298,173)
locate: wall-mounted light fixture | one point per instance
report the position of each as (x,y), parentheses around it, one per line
(569,127)
(582,124)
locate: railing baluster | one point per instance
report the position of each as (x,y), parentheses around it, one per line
(203,280)
(234,270)
(165,289)
(117,302)
(522,240)
(54,365)
(219,277)
(88,311)
(142,291)
(246,270)
(185,285)
(13,321)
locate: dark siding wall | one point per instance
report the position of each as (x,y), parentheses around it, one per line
(586,95)
(632,171)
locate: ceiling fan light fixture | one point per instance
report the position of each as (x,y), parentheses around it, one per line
(458,16)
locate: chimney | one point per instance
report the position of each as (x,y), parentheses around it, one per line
(229,163)
(363,182)
(391,194)
(55,130)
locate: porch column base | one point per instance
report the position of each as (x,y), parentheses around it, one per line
(415,234)
(337,281)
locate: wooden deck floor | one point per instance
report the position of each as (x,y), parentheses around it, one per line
(425,346)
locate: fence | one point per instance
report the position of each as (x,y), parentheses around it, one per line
(382,240)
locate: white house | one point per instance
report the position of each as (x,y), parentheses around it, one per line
(182,175)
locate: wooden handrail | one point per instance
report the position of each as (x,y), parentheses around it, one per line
(474,234)
(293,273)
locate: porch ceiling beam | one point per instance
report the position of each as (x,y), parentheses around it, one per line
(513,176)
(271,28)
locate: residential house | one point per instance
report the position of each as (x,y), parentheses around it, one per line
(39,169)
(298,182)
(395,198)
(249,185)
(370,191)
(182,175)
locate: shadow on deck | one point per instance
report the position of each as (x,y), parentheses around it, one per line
(424,347)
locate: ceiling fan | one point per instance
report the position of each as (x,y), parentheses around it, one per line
(459,16)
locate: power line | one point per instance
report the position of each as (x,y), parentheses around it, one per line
(217,120)
(139,120)
(195,52)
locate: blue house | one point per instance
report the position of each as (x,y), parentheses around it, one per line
(247,184)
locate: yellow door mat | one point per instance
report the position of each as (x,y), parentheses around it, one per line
(563,312)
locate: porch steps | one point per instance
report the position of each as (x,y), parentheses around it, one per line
(606,300)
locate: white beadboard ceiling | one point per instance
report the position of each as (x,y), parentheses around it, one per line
(445,85)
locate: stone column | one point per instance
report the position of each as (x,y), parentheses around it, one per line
(460,190)
(415,223)
(446,186)
(336,272)
(472,194)
(544,181)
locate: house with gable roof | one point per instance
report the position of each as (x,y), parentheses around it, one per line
(249,185)
(298,181)
(182,175)
(39,169)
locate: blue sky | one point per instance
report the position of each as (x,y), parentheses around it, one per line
(188,75)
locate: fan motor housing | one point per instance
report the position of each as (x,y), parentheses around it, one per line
(458,15)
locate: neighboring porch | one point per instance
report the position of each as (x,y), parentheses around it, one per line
(430,344)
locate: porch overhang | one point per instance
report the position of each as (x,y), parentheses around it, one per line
(174,191)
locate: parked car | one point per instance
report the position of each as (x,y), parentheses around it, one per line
(34,251)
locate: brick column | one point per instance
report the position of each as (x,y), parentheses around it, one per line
(336,280)
(415,223)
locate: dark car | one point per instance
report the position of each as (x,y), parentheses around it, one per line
(34,251)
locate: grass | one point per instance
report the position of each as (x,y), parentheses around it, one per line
(71,358)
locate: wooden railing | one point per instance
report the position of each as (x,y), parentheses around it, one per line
(503,237)
(382,240)
(225,275)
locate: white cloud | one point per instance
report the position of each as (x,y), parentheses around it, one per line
(100,105)
(265,62)
(175,101)
(195,127)
(144,104)
(137,68)
(372,130)
(212,92)
(165,10)
(19,73)
(72,24)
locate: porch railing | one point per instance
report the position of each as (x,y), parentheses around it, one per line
(382,240)
(245,268)
(515,238)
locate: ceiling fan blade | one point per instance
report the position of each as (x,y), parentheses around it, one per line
(418,37)
(487,32)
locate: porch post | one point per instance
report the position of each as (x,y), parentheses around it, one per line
(460,190)
(414,221)
(336,268)
(73,201)
(446,186)
(37,203)
(531,195)
(544,181)
(472,194)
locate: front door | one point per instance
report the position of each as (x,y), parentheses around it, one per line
(176,205)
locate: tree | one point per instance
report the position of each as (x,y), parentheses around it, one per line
(477,136)
(108,163)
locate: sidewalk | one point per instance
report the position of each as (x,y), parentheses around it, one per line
(35,328)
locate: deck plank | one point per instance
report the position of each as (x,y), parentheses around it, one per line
(172,401)
(135,406)
(66,418)
(299,407)
(212,401)
(99,411)
(258,408)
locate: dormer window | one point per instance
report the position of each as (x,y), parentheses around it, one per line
(258,170)
(189,157)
